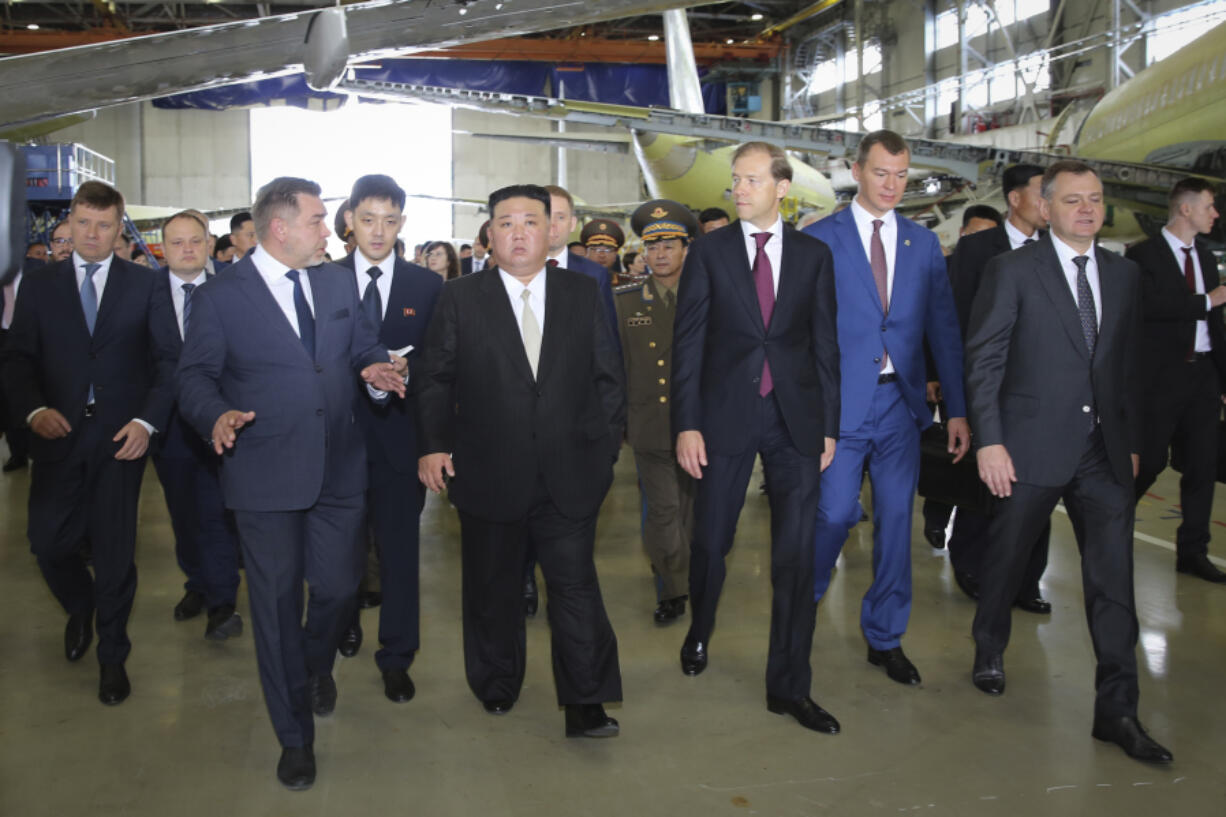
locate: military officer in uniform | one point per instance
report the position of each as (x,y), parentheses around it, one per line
(603,239)
(645,314)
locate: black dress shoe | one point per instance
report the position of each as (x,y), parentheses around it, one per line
(323,694)
(1200,567)
(1033,604)
(589,721)
(190,606)
(968,584)
(669,610)
(896,664)
(78,635)
(935,537)
(296,768)
(224,623)
(368,599)
(14,464)
(398,686)
(988,674)
(351,641)
(806,712)
(113,688)
(498,706)
(693,656)
(531,598)
(1127,733)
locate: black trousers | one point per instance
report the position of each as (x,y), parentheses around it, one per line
(1102,512)
(393,513)
(281,549)
(970,545)
(89,495)
(584,648)
(795,483)
(1185,414)
(206,542)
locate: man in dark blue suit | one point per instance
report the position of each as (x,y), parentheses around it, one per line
(205,544)
(269,374)
(89,363)
(756,371)
(893,291)
(398,298)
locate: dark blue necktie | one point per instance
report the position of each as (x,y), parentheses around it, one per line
(306,321)
(187,304)
(372,301)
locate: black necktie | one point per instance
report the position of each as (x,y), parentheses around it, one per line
(1029,241)
(187,304)
(1085,304)
(306,321)
(372,301)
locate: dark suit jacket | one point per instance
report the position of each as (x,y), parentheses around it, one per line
(1028,372)
(466,265)
(1170,313)
(600,275)
(477,398)
(241,353)
(180,440)
(966,265)
(50,359)
(390,428)
(720,342)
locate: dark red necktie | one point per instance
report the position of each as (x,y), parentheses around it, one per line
(551,263)
(764,283)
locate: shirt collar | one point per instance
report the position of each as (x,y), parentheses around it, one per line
(270,268)
(864,219)
(104,266)
(362,263)
(514,286)
(776,229)
(176,281)
(1175,242)
(1066,253)
(562,257)
(1016,237)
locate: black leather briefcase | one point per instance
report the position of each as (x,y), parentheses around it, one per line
(941,480)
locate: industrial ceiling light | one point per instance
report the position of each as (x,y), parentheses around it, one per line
(755,17)
(33,26)
(653,37)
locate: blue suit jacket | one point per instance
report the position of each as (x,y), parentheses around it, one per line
(600,275)
(921,305)
(390,428)
(241,353)
(178,440)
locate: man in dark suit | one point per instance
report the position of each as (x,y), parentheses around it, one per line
(88,363)
(14,427)
(1183,365)
(1051,372)
(521,404)
(466,259)
(893,293)
(205,544)
(756,371)
(268,373)
(398,298)
(1023,225)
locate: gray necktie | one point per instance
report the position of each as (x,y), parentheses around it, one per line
(1085,304)
(89,296)
(531,331)
(187,304)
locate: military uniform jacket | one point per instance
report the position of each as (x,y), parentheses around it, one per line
(645,327)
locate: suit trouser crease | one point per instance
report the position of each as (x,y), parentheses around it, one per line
(281,549)
(89,496)
(1101,512)
(969,542)
(795,481)
(888,440)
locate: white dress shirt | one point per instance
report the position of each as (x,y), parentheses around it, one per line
(1202,326)
(10,300)
(177,294)
(889,242)
(361,264)
(1066,254)
(515,289)
(1016,237)
(282,288)
(479,263)
(774,247)
(563,259)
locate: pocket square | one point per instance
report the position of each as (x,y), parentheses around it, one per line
(340,313)
(409,311)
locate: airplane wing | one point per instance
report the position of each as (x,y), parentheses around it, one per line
(600,143)
(71,80)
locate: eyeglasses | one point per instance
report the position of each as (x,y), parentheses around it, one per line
(61,241)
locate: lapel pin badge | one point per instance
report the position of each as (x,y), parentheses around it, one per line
(409,311)
(906,242)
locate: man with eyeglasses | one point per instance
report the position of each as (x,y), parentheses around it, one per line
(61,242)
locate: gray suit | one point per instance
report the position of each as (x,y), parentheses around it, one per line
(1070,423)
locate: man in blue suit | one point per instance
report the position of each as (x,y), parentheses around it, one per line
(269,374)
(893,291)
(398,299)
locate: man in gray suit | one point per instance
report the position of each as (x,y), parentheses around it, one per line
(268,372)
(1050,372)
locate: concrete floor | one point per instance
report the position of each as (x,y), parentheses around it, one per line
(194,737)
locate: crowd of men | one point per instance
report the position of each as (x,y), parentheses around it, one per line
(298,410)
